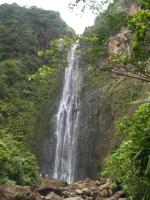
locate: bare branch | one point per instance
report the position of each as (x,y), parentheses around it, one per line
(142,78)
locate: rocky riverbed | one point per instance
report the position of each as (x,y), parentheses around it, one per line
(51,190)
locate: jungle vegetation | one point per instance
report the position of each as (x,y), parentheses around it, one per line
(28,65)
(129,163)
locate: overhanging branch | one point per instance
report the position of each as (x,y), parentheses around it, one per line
(126,74)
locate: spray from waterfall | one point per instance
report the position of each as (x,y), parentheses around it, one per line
(67,117)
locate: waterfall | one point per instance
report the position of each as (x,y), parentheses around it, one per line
(66,130)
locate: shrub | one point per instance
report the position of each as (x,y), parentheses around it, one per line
(16,163)
(129,165)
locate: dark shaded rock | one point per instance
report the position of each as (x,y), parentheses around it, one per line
(110,193)
(45,189)
(87,192)
(117,195)
(95,135)
(48,139)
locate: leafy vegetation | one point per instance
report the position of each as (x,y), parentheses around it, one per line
(29,61)
(18,165)
(129,165)
(25,31)
(31,55)
(107,23)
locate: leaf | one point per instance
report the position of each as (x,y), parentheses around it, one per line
(147,170)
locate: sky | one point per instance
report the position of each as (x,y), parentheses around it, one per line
(76,20)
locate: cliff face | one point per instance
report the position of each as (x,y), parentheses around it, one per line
(120,43)
(47,139)
(95,133)
(102,103)
(94,128)
(103,99)
(132,8)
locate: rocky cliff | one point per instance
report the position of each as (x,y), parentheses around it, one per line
(120,44)
(46,140)
(104,98)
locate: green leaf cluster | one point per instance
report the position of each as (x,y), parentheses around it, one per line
(26,85)
(17,164)
(107,23)
(129,165)
(140,27)
(24,31)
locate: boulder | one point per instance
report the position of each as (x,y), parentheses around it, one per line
(74,198)
(66,194)
(118,195)
(110,193)
(122,199)
(87,192)
(104,193)
(48,190)
(10,191)
(79,192)
(52,196)
(120,43)
(45,189)
(104,186)
(33,196)
(98,197)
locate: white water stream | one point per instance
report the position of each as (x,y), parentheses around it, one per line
(67,121)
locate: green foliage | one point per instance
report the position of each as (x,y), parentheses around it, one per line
(129,164)
(62,183)
(17,119)
(55,56)
(54,59)
(139,24)
(10,71)
(23,31)
(120,59)
(26,84)
(107,23)
(18,165)
(42,72)
(93,51)
(144,3)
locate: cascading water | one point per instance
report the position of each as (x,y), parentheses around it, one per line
(67,117)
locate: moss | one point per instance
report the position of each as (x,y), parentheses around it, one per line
(62,183)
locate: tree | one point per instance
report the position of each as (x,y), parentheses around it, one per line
(107,24)
(26,85)
(18,165)
(129,164)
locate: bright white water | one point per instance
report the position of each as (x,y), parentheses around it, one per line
(67,121)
